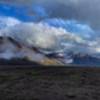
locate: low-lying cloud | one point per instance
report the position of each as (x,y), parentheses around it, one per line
(48,37)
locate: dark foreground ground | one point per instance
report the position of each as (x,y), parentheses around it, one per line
(50,84)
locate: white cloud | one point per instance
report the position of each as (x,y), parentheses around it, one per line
(82,30)
(48,38)
(42,36)
(8,21)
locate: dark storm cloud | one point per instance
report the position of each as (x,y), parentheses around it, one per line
(87,11)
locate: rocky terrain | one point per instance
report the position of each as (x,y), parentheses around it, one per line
(50,84)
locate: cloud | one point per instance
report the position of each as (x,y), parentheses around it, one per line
(82,10)
(50,38)
(83,30)
(8,21)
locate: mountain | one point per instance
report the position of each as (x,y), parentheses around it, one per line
(85,60)
(11,52)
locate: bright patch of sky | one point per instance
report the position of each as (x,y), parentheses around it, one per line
(22,12)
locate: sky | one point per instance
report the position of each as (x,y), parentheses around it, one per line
(87,11)
(79,19)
